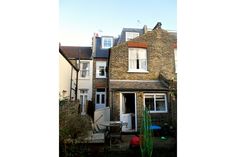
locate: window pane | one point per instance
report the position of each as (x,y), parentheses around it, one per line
(143,64)
(160,106)
(101,90)
(107,42)
(98,99)
(85,99)
(85,66)
(81,99)
(132,53)
(103,98)
(101,71)
(149,102)
(83,73)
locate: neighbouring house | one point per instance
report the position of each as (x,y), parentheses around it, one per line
(83,57)
(131,33)
(100,53)
(68,71)
(142,74)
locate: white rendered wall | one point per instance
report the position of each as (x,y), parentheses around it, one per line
(86,83)
(65,75)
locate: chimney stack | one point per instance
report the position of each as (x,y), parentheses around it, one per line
(158,26)
(144,29)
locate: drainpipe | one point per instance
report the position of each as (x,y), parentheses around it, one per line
(71,82)
(77,73)
(76,86)
(112,104)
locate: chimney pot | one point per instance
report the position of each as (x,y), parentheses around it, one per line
(158,26)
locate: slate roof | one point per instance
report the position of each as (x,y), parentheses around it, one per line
(77,52)
(122,36)
(100,53)
(137,86)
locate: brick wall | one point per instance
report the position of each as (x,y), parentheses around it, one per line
(160,57)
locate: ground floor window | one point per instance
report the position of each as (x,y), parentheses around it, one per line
(156,102)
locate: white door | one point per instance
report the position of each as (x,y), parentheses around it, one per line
(100,100)
(83,100)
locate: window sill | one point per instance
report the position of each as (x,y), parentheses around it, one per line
(84,78)
(101,77)
(138,71)
(158,112)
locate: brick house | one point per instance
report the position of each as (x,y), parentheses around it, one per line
(100,53)
(142,73)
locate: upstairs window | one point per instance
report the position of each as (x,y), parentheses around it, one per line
(100,69)
(107,42)
(131,35)
(84,69)
(137,60)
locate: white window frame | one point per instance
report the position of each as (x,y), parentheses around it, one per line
(104,39)
(101,64)
(155,94)
(100,98)
(84,102)
(131,35)
(81,70)
(132,59)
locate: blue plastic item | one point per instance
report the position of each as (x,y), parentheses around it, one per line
(155,127)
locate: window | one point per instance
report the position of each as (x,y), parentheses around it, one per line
(137,60)
(131,35)
(107,42)
(83,99)
(100,98)
(100,69)
(156,102)
(84,69)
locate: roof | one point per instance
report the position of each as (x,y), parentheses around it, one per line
(69,61)
(101,53)
(124,30)
(137,86)
(77,52)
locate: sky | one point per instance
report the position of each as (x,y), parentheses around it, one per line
(80,19)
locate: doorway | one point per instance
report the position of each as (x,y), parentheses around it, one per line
(128,111)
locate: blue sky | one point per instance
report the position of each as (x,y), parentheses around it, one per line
(80,19)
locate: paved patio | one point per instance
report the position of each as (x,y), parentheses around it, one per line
(161,148)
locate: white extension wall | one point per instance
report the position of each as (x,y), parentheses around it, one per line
(65,75)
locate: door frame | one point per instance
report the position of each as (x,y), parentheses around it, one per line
(135,106)
(100,97)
